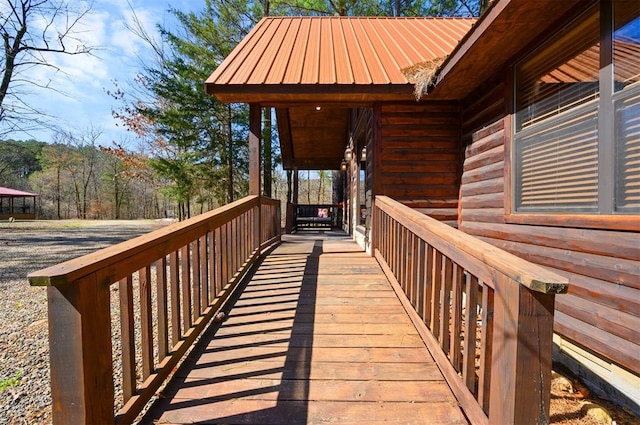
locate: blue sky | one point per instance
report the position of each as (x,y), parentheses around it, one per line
(83,102)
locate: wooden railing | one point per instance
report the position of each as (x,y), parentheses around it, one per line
(167,284)
(485,314)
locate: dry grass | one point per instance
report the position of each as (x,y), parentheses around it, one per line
(423,74)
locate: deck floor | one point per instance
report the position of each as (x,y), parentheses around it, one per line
(318,336)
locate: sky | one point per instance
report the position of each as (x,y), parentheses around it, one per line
(82,102)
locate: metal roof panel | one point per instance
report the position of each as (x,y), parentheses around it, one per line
(319,51)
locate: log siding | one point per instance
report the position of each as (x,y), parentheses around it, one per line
(420,158)
(602,309)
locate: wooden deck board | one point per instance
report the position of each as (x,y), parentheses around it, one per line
(318,336)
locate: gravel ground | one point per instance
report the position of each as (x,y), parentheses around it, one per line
(25,247)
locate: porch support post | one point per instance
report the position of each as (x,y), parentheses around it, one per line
(295,185)
(255,161)
(376,176)
(255,149)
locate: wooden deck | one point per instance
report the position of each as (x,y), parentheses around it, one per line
(317,336)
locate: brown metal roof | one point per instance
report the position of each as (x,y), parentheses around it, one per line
(332,59)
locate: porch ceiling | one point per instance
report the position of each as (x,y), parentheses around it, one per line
(312,139)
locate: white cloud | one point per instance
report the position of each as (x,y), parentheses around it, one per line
(84,78)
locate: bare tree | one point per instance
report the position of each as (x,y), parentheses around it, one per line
(31,31)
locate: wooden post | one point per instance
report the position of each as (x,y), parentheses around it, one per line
(81,370)
(295,185)
(289,218)
(376,178)
(522,347)
(255,149)
(255,161)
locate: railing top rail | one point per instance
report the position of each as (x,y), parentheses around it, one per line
(131,255)
(531,275)
(269,201)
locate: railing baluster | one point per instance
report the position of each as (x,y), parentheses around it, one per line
(212,265)
(146,319)
(127,338)
(241,241)
(237,243)
(428,294)
(195,279)
(219,260)
(409,266)
(404,256)
(420,276)
(161,290)
(384,235)
(486,348)
(234,246)
(396,249)
(445,304)
(252,226)
(416,271)
(435,296)
(185,279)
(470,318)
(204,274)
(174,278)
(456,319)
(227,253)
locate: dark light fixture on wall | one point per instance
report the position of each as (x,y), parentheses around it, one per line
(343,165)
(363,156)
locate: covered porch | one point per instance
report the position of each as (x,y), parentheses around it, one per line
(335,84)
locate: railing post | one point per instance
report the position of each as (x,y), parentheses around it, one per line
(522,347)
(81,369)
(290,219)
(278,219)
(374,228)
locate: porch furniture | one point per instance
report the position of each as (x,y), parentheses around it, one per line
(314,216)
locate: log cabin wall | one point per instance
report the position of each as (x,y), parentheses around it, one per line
(419,162)
(599,319)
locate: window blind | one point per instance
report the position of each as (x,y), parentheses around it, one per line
(628,153)
(557,166)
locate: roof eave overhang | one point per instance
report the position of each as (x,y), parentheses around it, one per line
(503,31)
(292,94)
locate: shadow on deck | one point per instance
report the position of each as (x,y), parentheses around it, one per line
(317,335)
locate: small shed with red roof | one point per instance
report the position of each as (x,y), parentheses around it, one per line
(17,204)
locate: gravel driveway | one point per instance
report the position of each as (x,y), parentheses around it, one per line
(24,351)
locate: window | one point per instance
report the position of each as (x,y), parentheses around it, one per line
(577,122)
